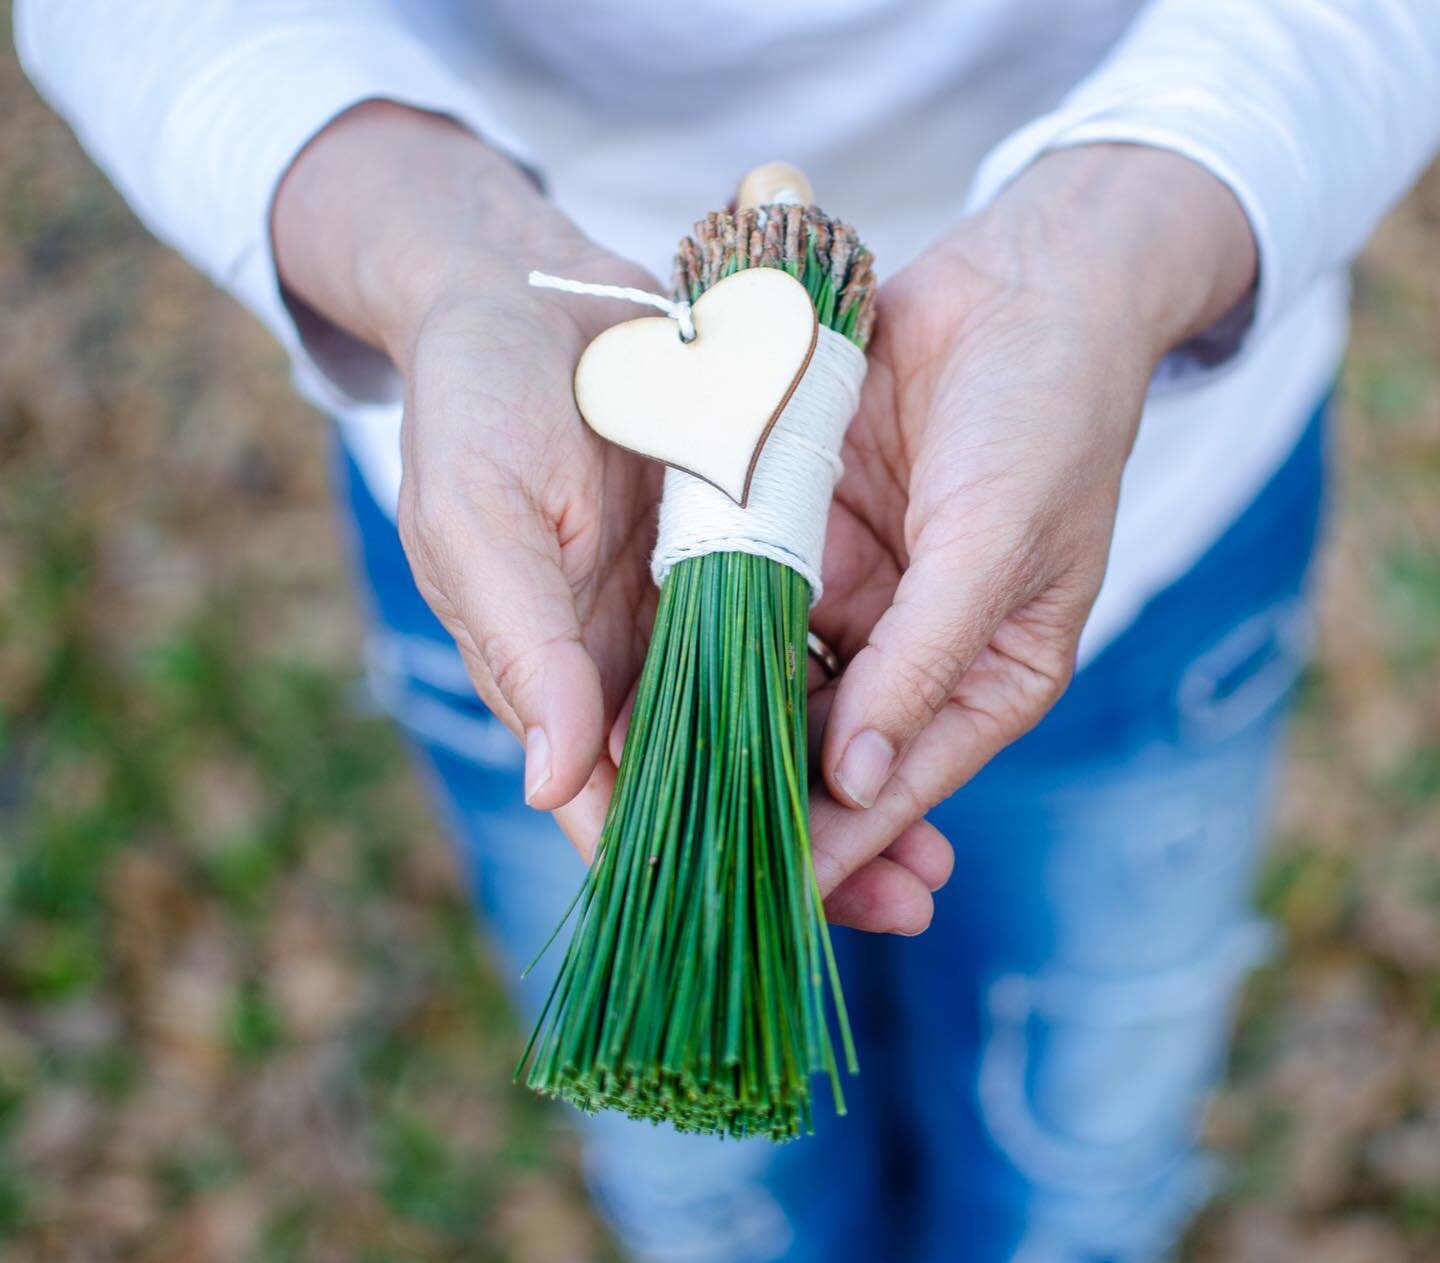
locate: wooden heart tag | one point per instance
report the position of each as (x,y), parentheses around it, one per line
(708,405)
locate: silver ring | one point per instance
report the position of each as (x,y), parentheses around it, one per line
(823,654)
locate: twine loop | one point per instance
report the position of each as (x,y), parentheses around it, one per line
(786,512)
(677,310)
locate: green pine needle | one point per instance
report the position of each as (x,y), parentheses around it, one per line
(700,986)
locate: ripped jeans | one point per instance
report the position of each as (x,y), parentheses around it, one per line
(1034,1064)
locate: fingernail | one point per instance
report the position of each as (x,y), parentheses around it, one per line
(865,766)
(537,762)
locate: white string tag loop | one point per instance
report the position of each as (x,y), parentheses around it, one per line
(678,311)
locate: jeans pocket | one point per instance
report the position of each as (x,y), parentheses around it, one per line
(1092,1085)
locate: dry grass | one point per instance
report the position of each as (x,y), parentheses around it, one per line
(243,1014)
(1333,1110)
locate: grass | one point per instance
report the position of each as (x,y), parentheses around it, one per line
(242,1014)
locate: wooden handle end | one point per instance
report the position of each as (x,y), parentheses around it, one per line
(774,182)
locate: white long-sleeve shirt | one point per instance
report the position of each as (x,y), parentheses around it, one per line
(640,114)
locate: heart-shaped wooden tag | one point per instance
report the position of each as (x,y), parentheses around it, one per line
(704,406)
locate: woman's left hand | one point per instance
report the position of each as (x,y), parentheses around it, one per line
(970,531)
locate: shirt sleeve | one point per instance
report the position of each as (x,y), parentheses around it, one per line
(195,112)
(1318,114)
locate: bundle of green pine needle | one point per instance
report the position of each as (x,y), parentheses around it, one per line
(700,986)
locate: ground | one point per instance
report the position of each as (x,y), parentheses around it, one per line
(243,1011)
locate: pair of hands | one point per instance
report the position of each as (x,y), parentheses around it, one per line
(969,532)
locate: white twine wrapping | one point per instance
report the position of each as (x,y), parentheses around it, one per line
(789,502)
(785,514)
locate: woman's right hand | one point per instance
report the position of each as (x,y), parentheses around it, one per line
(527,535)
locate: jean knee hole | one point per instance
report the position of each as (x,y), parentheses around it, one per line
(1057,1028)
(1187,839)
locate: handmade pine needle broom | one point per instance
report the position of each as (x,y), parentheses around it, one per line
(700,986)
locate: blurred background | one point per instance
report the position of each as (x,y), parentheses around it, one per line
(244,1014)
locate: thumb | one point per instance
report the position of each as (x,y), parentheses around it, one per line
(942,616)
(503,596)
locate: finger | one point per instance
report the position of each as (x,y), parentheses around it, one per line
(860,579)
(945,609)
(876,899)
(500,592)
(844,840)
(620,729)
(818,705)
(920,847)
(583,816)
(882,898)
(926,852)
(1000,698)
(997,700)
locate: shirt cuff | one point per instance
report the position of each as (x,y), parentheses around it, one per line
(233,133)
(1138,123)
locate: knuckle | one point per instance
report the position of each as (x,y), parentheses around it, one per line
(924,680)
(933,676)
(1058,676)
(1048,669)
(912,803)
(517,663)
(513,664)
(830,872)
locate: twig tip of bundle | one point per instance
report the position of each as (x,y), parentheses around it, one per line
(826,254)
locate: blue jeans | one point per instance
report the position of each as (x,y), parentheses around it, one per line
(1033,1064)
